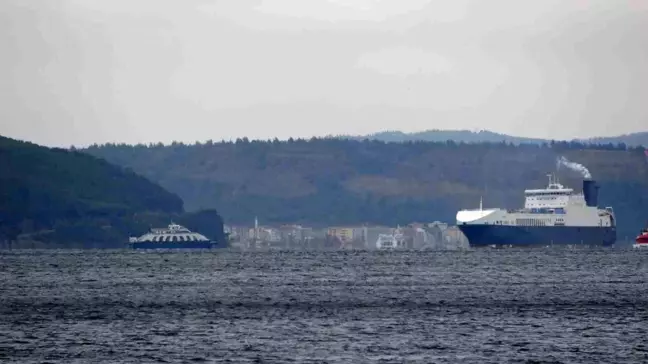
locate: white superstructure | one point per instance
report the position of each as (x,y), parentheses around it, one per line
(396,240)
(173,233)
(555,205)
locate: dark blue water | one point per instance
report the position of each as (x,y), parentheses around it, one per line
(489,306)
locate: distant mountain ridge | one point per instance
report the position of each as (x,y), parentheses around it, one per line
(468,136)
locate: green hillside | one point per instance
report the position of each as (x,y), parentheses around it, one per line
(337,181)
(65,197)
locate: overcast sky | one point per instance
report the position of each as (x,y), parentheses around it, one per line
(85,71)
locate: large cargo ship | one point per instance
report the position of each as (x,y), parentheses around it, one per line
(555,215)
(173,237)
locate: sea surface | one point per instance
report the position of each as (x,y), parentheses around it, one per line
(483,306)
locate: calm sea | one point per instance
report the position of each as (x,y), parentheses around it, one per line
(487,306)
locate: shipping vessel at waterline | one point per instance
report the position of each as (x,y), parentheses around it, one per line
(642,239)
(173,237)
(555,215)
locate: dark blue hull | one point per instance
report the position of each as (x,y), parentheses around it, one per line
(484,235)
(173,245)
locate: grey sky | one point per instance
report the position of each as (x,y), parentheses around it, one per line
(84,71)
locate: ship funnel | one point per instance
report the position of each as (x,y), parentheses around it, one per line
(590,192)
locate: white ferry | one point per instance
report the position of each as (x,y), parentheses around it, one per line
(172,237)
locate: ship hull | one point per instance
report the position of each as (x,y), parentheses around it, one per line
(172,245)
(485,235)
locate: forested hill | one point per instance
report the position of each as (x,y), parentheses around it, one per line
(468,136)
(337,181)
(56,195)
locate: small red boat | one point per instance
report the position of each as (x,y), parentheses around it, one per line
(642,239)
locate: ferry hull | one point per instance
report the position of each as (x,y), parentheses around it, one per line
(485,235)
(172,245)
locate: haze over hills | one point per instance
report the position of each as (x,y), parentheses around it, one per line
(61,198)
(339,181)
(468,136)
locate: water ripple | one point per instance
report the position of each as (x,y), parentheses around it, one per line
(505,306)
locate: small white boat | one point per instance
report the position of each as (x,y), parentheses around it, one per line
(391,241)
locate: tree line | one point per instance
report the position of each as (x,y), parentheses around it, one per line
(330,181)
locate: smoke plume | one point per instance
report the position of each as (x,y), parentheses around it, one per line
(573,166)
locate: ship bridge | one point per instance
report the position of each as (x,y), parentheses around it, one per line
(555,196)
